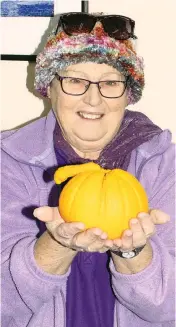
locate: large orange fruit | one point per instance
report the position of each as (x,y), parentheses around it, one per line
(101,198)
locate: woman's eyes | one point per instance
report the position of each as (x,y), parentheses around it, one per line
(74,80)
(111,83)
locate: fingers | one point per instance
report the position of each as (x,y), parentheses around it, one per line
(68,230)
(126,243)
(141,228)
(92,240)
(159,217)
(138,234)
(89,236)
(147,224)
(100,245)
(71,234)
(56,225)
(53,220)
(47,214)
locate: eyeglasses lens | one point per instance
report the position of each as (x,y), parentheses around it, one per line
(74,86)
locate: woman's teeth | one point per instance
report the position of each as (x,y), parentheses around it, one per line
(89,115)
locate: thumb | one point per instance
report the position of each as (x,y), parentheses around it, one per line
(47,214)
(158,216)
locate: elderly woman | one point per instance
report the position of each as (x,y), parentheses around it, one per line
(60,274)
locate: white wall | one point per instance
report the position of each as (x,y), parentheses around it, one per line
(155,28)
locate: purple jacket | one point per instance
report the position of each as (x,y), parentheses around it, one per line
(33,298)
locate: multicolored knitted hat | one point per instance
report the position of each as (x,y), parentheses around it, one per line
(62,50)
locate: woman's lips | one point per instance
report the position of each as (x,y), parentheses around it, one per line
(90,115)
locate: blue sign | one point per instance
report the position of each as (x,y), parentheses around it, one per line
(16,8)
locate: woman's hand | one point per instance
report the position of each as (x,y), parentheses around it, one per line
(73,235)
(141,228)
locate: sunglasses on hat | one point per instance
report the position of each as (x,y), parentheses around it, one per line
(116,26)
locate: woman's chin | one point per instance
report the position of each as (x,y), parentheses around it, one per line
(87,138)
(90,144)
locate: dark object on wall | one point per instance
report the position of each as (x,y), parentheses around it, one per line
(85,6)
(32,58)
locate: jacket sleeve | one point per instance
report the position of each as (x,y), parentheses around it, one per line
(150,293)
(25,287)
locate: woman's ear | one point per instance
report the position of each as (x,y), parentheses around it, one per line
(49,92)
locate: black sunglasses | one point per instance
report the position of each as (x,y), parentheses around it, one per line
(117,27)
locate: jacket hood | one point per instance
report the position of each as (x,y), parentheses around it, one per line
(33,142)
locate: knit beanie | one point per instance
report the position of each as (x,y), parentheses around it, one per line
(62,50)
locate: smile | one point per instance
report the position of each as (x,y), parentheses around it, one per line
(91,116)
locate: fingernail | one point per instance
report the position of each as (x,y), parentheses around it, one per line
(128,233)
(165,216)
(80,227)
(162,215)
(37,212)
(97,232)
(134,221)
(143,215)
(103,236)
(109,243)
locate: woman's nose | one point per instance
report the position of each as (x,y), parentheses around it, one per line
(93,96)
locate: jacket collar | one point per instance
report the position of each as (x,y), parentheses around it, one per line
(33,144)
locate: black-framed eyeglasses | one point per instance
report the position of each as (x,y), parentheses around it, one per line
(117,26)
(78,86)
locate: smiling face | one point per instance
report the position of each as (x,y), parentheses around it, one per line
(88,121)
